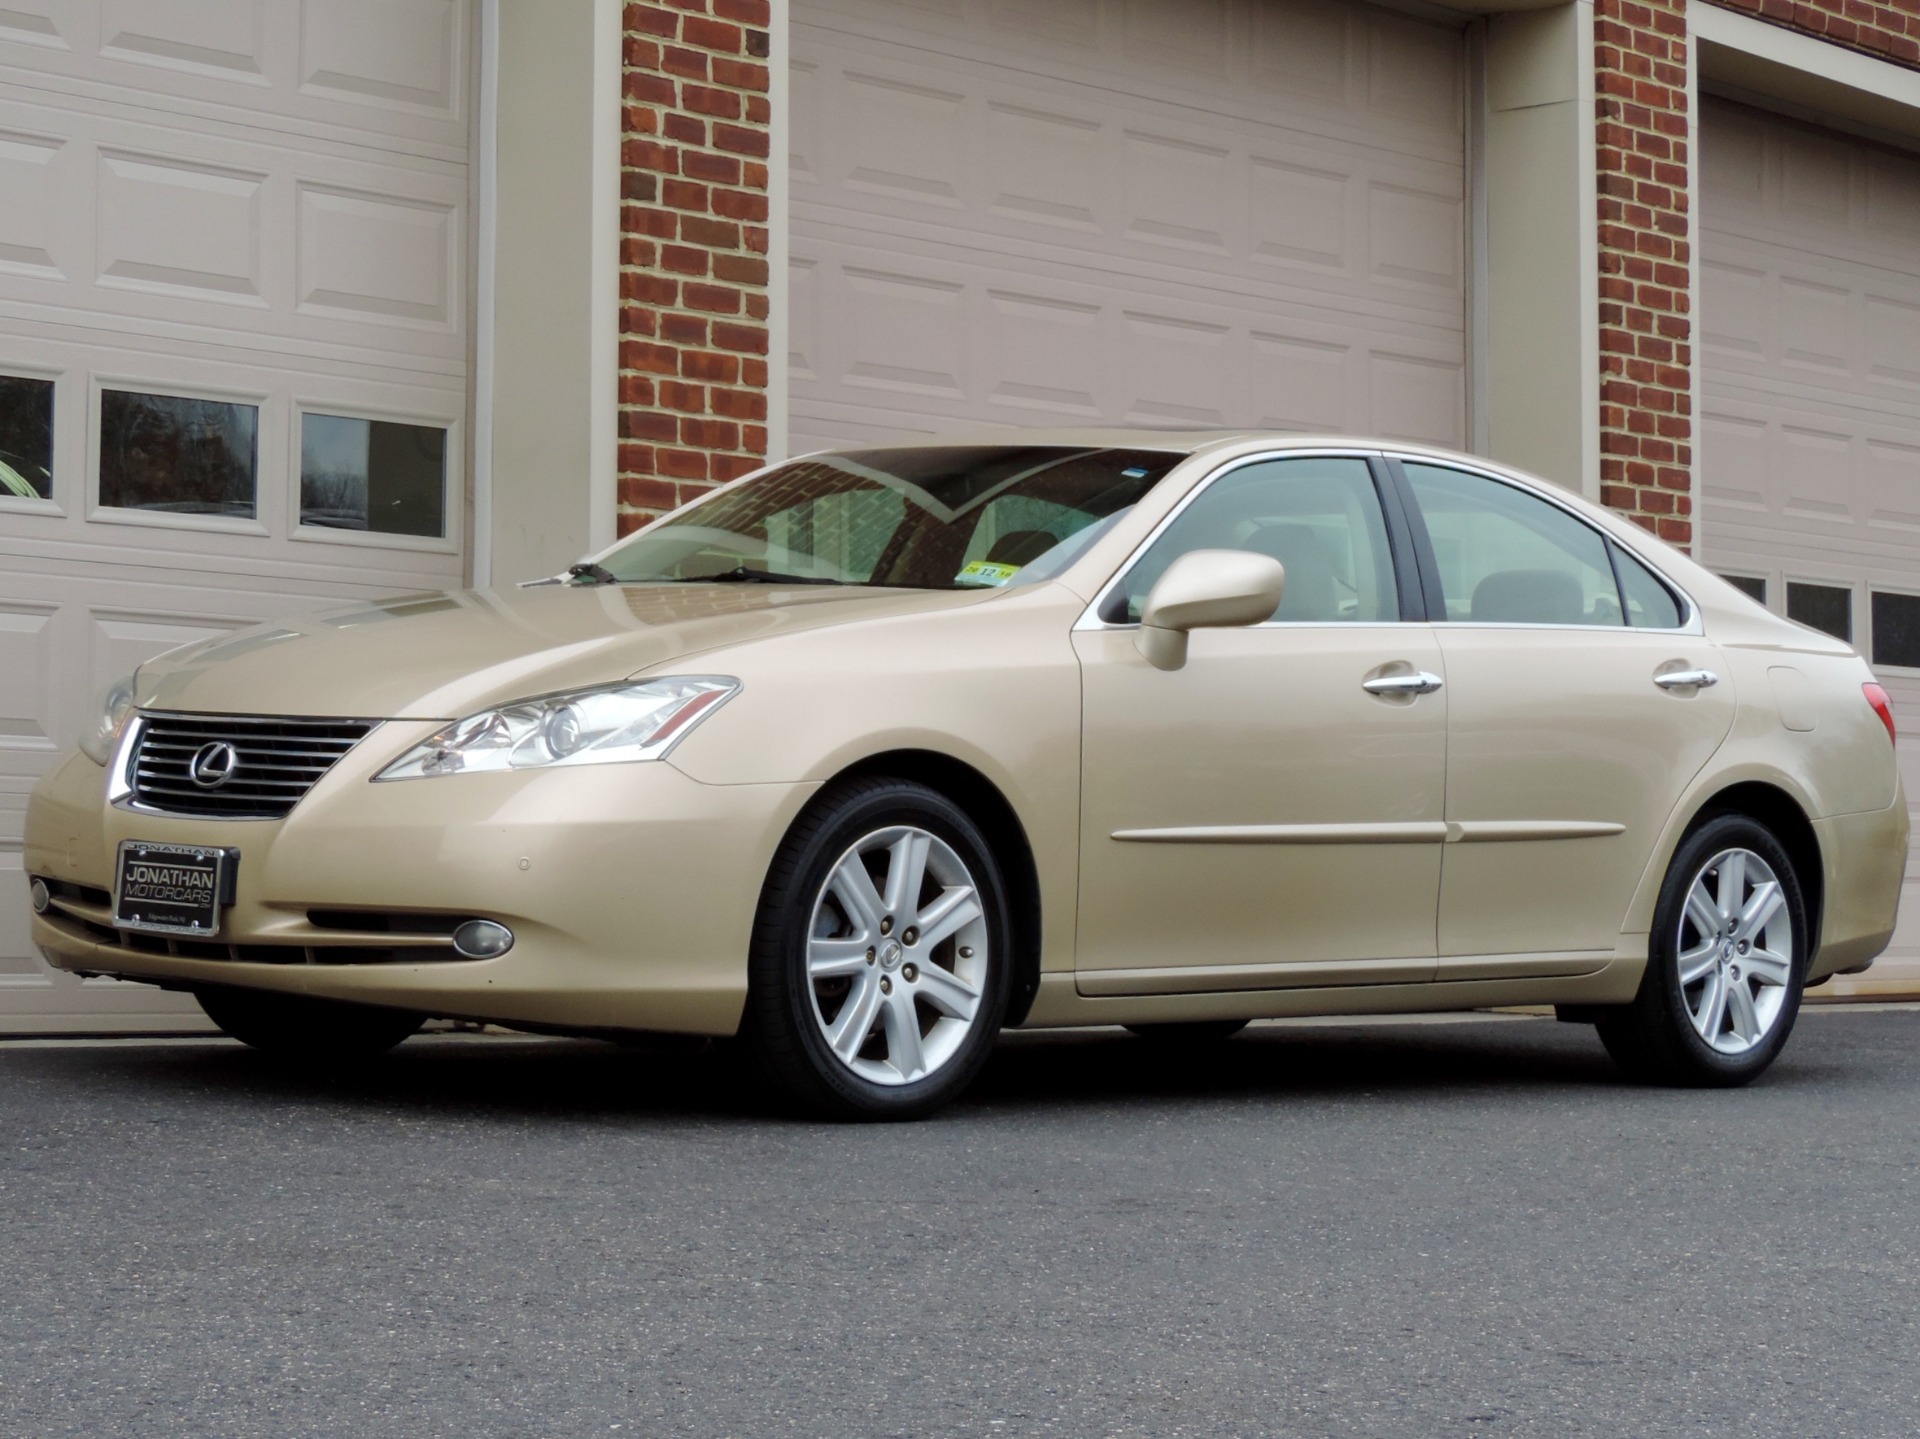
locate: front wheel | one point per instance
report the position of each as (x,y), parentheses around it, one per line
(293,1026)
(881,954)
(1726,962)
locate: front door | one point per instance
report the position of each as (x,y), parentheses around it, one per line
(1262,817)
(1569,737)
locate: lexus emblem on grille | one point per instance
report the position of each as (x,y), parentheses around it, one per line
(213,764)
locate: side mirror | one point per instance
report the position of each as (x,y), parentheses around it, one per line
(1207,589)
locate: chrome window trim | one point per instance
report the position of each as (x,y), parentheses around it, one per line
(1090,617)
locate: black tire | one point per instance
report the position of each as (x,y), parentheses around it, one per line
(295,1027)
(1654,1039)
(787,1009)
(1189,1034)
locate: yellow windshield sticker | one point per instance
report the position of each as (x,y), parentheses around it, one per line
(986,572)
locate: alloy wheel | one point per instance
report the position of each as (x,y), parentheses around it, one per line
(897,955)
(1735,951)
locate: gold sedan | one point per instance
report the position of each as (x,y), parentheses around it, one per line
(872,753)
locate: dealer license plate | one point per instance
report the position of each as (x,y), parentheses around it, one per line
(173,888)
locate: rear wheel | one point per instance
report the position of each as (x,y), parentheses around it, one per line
(881,954)
(1726,964)
(293,1026)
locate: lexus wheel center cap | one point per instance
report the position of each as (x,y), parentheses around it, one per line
(890,955)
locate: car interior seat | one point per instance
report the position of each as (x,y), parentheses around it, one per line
(1529,597)
(1310,593)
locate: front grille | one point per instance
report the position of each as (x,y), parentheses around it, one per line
(278,761)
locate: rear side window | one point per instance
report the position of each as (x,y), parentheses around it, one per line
(1508,557)
(1650,605)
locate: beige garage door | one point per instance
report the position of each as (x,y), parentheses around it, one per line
(1810,454)
(1154,212)
(233,353)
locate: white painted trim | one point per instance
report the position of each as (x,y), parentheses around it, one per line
(485,188)
(779,227)
(603,285)
(1588,191)
(1696,330)
(1477,248)
(1834,63)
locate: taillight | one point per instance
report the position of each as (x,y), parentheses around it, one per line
(1883,707)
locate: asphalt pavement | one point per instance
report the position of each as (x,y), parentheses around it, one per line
(1462,1228)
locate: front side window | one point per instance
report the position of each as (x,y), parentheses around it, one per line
(956,517)
(178,455)
(1508,557)
(1320,517)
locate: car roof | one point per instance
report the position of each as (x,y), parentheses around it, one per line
(1181,441)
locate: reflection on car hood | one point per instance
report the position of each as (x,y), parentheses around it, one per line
(443,656)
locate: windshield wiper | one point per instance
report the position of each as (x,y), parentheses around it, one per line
(593,574)
(743,575)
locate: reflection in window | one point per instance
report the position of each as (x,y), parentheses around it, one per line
(179,456)
(373,475)
(26,438)
(1751,585)
(1824,607)
(1896,629)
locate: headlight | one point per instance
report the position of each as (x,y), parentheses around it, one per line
(615,724)
(102,734)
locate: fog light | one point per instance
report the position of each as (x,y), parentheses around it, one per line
(40,895)
(482,939)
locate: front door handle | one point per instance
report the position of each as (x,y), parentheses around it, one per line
(1420,683)
(1687,680)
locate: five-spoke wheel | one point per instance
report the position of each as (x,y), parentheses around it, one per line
(881,954)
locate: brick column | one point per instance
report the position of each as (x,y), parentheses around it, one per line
(693,250)
(1646,264)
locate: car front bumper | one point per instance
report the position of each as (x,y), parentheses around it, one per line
(630,889)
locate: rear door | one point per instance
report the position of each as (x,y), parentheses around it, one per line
(1570,731)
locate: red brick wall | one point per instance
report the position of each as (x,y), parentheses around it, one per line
(693,250)
(1646,339)
(1889,30)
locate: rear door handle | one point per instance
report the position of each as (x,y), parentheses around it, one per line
(1687,680)
(1420,683)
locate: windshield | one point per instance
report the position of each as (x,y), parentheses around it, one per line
(958,517)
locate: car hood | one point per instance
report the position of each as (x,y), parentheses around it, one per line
(444,656)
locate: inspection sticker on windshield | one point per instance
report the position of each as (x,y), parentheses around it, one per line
(173,888)
(986,572)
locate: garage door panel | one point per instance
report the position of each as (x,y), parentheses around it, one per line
(1810,448)
(128,222)
(925,333)
(392,73)
(977,153)
(257,202)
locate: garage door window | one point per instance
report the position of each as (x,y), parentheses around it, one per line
(1896,629)
(26,438)
(175,455)
(380,476)
(1751,585)
(1824,607)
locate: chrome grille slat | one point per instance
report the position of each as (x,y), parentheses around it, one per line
(280,760)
